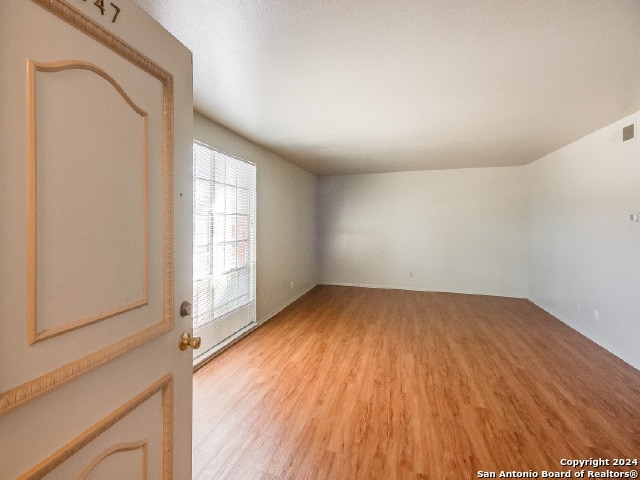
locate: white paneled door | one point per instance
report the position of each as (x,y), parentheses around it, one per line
(95,246)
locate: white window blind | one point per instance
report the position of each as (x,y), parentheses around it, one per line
(223,248)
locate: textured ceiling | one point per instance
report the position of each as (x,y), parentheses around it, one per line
(376,86)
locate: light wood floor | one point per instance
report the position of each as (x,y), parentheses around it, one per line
(352,383)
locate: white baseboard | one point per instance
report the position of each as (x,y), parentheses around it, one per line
(550,311)
(274,312)
(575,327)
(395,287)
(246,331)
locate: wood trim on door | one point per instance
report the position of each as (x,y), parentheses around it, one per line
(32,389)
(34,335)
(122,447)
(164,385)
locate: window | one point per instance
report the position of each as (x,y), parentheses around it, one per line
(223,248)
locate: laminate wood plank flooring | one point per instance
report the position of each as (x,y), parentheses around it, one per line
(355,383)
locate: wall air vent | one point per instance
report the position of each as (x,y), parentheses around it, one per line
(623,135)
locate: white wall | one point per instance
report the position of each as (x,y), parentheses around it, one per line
(584,250)
(556,231)
(285,219)
(446,230)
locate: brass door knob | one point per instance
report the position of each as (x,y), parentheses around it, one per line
(186,341)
